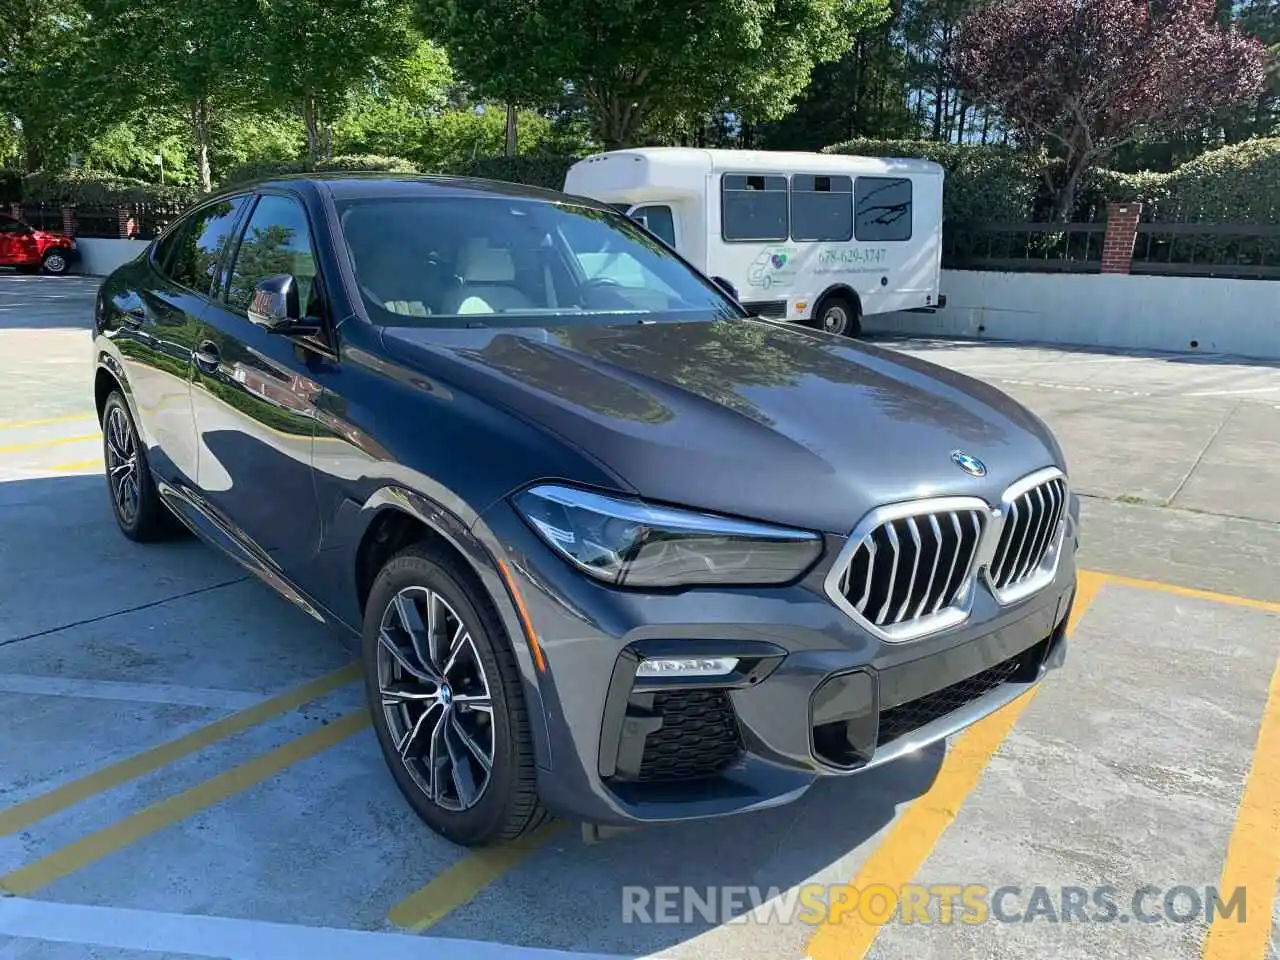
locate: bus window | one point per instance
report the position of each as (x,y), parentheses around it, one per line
(660,221)
(753,207)
(821,208)
(883,206)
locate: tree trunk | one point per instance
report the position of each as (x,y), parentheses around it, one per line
(32,150)
(512,132)
(311,120)
(200,137)
(1064,199)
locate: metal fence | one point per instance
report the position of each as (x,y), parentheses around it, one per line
(138,221)
(1240,250)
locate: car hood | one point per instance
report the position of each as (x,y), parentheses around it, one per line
(745,417)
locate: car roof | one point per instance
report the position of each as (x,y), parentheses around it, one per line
(350,185)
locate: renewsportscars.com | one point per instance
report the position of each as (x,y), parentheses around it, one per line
(931,903)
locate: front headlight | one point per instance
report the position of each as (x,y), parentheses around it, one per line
(629,543)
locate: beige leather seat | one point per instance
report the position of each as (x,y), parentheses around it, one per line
(488,277)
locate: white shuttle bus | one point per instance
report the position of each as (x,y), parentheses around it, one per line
(822,239)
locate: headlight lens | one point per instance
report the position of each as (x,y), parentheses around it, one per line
(634,544)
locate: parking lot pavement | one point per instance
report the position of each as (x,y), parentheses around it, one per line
(186,767)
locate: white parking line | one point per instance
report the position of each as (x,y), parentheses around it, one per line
(235,939)
(1232,393)
(133,692)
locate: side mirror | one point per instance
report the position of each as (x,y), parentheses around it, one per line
(274,306)
(726,286)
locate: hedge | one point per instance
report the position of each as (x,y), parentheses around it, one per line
(259,170)
(10,186)
(94,188)
(534,170)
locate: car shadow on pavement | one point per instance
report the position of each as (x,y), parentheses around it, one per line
(46,303)
(649,890)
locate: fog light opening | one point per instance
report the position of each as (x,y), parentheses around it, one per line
(687,667)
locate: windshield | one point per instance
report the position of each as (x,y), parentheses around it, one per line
(451,261)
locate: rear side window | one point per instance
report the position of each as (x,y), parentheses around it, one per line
(883,206)
(753,207)
(198,245)
(659,220)
(821,208)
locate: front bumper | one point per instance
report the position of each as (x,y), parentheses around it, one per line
(814,693)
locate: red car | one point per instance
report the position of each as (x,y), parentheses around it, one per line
(29,249)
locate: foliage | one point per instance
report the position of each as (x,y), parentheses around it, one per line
(194,58)
(313,52)
(10,185)
(262,169)
(984,182)
(859,94)
(92,188)
(1084,76)
(537,171)
(634,62)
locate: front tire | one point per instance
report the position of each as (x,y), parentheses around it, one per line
(446,699)
(55,262)
(139,511)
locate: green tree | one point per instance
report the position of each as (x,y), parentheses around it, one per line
(195,58)
(313,53)
(41,76)
(636,62)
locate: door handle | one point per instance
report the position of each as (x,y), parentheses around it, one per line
(207,356)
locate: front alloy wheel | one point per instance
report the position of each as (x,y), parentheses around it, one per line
(435,698)
(136,503)
(446,696)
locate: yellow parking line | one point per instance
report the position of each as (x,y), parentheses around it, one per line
(1193,593)
(102,843)
(461,882)
(1253,854)
(46,422)
(76,465)
(910,841)
(56,442)
(22,815)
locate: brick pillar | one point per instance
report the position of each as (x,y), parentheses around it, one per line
(128,226)
(68,220)
(1122,232)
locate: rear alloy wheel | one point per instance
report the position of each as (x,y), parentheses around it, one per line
(56,262)
(444,691)
(838,316)
(139,511)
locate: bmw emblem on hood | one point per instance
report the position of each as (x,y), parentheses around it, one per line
(970,465)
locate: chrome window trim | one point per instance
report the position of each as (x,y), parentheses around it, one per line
(992,520)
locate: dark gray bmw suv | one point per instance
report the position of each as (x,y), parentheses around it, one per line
(616,549)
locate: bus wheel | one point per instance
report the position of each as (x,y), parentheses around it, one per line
(838,315)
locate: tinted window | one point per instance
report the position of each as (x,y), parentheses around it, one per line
(433,260)
(753,207)
(659,220)
(821,208)
(883,208)
(199,244)
(276,240)
(10,225)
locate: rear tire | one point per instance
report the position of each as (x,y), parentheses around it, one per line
(448,708)
(139,511)
(837,315)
